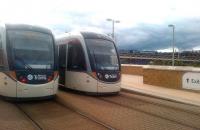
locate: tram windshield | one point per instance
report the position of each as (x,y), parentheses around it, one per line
(103,53)
(31,49)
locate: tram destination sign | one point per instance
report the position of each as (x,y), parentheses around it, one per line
(191,81)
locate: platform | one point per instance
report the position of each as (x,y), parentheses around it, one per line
(135,83)
(132,111)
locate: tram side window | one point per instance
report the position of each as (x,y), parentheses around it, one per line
(62,55)
(1,52)
(76,59)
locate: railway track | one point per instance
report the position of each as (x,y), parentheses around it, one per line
(12,118)
(29,117)
(143,99)
(89,117)
(163,111)
(120,116)
(162,102)
(60,116)
(123,111)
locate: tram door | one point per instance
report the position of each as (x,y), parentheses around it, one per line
(76,74)
(62,63)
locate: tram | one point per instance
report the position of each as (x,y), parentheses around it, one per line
(28,66)
(89,62)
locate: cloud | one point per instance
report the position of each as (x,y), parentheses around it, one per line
(157,37)
(143,24)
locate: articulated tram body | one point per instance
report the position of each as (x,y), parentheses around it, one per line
(28,68)
(89,62)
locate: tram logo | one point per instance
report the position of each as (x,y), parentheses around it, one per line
(112,76)
(30,77)
(106,76)
(36,77)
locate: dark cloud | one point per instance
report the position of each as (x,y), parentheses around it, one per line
(144,36)
(156,37)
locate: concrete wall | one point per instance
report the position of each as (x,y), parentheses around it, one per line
(166,76)
(132,69)
(163,76)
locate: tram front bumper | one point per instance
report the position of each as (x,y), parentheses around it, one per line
(109,88)
(31,91)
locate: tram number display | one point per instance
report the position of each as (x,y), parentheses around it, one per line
(36,77)
(191,80)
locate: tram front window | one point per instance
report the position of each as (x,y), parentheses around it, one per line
(103,53)
(31,49)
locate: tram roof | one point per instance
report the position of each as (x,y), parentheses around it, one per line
(84,34)
(94,35)
(28,27)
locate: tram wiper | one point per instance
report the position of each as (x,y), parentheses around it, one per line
(94,57)
(25,64)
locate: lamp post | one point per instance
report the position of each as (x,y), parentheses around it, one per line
(173,28)
(113,26)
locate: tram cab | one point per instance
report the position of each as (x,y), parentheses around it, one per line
(89,62)
(28,66)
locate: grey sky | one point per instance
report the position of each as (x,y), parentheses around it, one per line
(143,26)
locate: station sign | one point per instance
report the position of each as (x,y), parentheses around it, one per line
(191,81)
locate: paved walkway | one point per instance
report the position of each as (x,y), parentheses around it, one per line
(127,111)
(135,83)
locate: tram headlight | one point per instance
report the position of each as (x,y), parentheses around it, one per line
(23,79)
(119,74)
(100,76)
(93,74)
(50,78)
(55,75)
